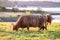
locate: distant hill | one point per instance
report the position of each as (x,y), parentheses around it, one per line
(29,3)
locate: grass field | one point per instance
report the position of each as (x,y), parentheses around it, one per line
(6,32)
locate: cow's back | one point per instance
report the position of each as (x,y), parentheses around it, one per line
(33,20)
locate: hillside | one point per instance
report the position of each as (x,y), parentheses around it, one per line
(29,3)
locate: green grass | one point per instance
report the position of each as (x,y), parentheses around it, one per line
(6,33)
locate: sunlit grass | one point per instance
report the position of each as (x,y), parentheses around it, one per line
(6,32)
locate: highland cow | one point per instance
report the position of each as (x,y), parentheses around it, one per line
(32,20)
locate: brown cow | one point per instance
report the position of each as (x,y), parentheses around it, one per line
(32,20)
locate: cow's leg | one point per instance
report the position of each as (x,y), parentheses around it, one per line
(39,27)
(45,26)
(42,27)
(28,28)
(45,23)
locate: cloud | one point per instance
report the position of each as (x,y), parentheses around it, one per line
(37,0)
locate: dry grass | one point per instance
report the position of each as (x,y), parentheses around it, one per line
(6,32)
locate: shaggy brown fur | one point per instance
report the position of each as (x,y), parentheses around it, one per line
(32,20)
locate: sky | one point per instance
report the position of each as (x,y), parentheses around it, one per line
(54,10)
(44,9)
(37,0)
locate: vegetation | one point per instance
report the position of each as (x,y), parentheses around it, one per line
(9,18)
(2,8)
(6,32)
(15,10)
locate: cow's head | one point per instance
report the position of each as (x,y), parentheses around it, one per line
(48,18)
(15,27)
